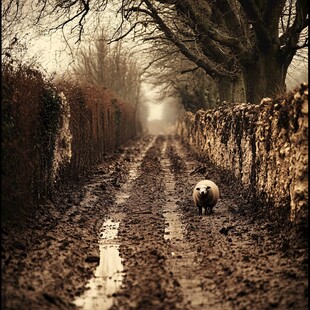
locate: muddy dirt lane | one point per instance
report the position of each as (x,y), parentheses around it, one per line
(129,237)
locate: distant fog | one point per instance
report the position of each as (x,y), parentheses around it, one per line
(160,118)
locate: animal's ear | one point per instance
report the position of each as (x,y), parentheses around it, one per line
(208,187)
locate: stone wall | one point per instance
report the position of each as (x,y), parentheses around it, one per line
(265,146)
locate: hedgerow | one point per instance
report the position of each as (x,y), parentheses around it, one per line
(53,133)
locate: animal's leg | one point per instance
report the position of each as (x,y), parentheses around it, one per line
(209,210)
(199,209)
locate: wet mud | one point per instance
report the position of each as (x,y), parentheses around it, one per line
(129,237)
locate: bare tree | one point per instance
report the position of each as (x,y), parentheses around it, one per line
(177,77)
(246,46)
(240,44)
(112,67)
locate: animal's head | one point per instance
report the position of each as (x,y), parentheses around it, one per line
(203,190)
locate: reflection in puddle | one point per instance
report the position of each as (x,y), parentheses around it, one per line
(108,275)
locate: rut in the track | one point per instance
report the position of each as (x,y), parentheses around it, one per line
(147,283)
(182,260)
(108,275)
(199,292)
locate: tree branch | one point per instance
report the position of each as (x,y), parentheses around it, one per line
(263,36)
(211,69)
(189,70)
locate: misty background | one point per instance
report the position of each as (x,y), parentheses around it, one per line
(56,50)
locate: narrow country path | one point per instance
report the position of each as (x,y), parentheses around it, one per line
(130,238)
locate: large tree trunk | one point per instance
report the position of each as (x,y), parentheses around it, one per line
(265,77)
(231,91)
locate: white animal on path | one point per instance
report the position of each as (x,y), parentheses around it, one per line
(205,195)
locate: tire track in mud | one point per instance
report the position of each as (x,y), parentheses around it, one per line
(161,270)
(147,283)
(182,261)
(159,266)
(109,274)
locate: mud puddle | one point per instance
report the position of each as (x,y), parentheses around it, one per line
(109,274)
